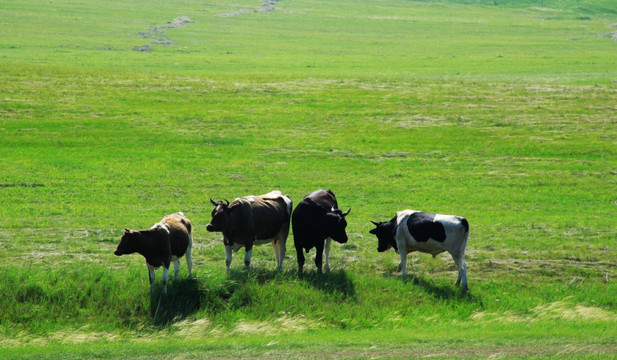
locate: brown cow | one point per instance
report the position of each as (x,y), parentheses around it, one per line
(163,243)
(253,220)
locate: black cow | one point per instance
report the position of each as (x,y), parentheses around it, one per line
(253,220)
(317,219)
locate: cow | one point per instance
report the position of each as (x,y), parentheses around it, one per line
(317,219)
(412,230)
(253,220)
(166,241)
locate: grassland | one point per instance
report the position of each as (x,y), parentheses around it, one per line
(503,114)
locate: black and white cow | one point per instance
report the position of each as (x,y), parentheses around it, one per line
(317,219)
(163,243)
(253,220)
(412,230)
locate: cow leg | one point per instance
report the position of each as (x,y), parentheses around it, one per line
(176,268)
(282,251)
(151,276)
(247,255)
(300,258)
(189,255)
(282,247)
(319,254)
(403,264)
(327,251)
(459,259)
(227,256)
(275,245)
(165,278)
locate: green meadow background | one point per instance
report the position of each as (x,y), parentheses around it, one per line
(501,111)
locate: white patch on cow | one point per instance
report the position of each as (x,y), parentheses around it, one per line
(162,226)
(237,246)
(274,194)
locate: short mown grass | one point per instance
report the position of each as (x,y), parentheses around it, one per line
(500,113)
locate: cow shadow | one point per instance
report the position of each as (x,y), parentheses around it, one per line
(183,298)
(449,292)
(331,282)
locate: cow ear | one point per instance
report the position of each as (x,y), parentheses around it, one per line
(127,230)
(374,231)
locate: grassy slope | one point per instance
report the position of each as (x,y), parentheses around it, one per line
(502,114)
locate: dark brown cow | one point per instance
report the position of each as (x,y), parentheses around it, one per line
(316,221)
(163,243)
(253,220)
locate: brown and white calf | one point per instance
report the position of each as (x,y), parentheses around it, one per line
(166,241)
(412,230)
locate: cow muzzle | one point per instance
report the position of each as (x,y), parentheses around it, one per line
(210,228)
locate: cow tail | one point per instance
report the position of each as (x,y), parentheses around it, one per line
(465,224)
(289,208)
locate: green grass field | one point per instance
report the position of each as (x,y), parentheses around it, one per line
(500,111)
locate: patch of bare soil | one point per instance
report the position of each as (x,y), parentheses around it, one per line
(266,6)
(154,33)
(611,35)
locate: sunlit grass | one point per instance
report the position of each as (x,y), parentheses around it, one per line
(503,114)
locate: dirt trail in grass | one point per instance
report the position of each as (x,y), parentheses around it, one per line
(155,32)
(266,6)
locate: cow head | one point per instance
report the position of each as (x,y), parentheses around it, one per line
(127,242)
(221,216)
(385,232)
(336,225)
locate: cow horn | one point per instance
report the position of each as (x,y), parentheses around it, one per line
(375,223)
(227,201)
(213,203)
(347,212)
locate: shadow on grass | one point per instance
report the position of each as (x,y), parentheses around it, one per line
(442,292)
(240,289)
(331,282)
(183,298)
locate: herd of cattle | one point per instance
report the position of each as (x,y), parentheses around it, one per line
(316,221)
